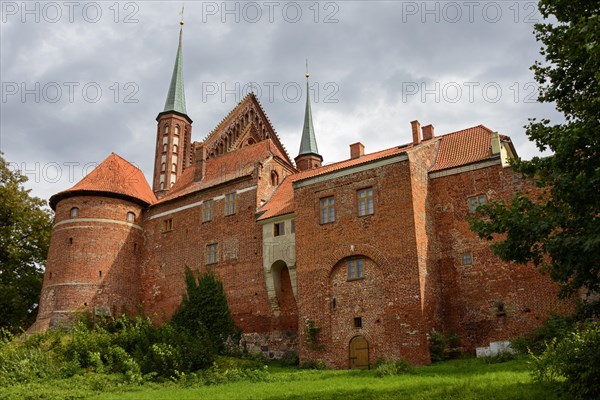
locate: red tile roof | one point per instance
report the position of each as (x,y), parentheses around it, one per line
(464,147)
(456,149)
(116,176)
(221,169)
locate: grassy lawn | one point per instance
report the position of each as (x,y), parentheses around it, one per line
(459,379)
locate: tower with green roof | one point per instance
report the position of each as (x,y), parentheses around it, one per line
(174,131)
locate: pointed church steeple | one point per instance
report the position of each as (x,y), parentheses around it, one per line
(308,156)
(176,95)
(174,131)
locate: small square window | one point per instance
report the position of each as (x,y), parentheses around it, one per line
(130,217)
(467,259)
(358,322)
(168,225)
(212,251)
(74,212)
(476,201)
(355,269)
(207,211)
(279,229)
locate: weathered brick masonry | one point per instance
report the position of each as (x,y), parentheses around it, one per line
(374,252)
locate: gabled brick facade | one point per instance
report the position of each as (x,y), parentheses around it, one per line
(370,254)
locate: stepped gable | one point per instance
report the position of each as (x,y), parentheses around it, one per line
(465,147)
(114,177)
(246,124)
(225,168)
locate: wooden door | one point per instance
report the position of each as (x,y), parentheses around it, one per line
(359,353)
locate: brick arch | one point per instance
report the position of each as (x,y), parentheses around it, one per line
(333,258)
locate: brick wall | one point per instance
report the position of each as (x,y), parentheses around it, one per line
(473,293)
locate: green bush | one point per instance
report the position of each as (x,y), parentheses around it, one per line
(534,342)
(204,309)
(498,358)
(385,367)
(442,347)
(574,360)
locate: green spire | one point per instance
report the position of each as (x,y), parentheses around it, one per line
(308,144)
(176,96)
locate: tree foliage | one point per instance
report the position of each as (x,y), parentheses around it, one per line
(24,240)
(204,308)
(559,231)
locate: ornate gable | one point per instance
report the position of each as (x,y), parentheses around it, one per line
(246,124)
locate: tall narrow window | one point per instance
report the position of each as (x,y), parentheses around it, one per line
(476,201)
(163,167)
(212,253)
(274,178)
(174,167)
(165,147)
(293,228)
(365,202)
(168,225)
(177,130)
(467,259)
(355,269)
(166,129)
(230,203)
(327,210)
(207,211)
(74,212)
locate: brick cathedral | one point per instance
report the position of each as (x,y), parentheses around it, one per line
(374,251)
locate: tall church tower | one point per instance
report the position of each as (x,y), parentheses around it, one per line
(173,133)
(308,156)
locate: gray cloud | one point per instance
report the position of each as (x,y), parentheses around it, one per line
(373,57)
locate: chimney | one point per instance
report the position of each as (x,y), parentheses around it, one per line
(357,150)
(428,132)
(200,161)
(416,131)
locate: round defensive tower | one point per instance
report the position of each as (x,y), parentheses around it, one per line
(94,252)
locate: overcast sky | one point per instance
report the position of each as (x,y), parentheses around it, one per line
(83,79)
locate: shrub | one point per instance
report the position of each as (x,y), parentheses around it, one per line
(313,364)
(385,367)
(442,347)
(535,342)
(204,309)
(574,359)
(501,357)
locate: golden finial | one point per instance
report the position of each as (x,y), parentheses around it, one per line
(181,13)
(307,74)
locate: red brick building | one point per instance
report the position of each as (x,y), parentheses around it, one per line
(346,262)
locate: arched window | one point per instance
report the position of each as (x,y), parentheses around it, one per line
(130,217)
(163,166)
(165,147)
(162,186)
(174,148)
(74,212)
(177,130)
(166,129)
(174,167)
(274,178)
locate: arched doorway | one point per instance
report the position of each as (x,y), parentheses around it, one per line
(359,353)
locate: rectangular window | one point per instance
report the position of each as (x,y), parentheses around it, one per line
(207,211)
(293,229)
(476,201)
(358,322)
(279,229)
(212,251)
(467,259)
(230,204)
(355,269)
(327,210)
(168,225)
(365,202)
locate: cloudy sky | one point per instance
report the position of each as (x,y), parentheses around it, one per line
(83,79)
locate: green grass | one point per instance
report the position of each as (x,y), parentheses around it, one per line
(458,379)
